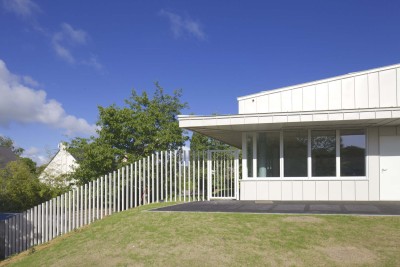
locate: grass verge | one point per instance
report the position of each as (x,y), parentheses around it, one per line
(141,238)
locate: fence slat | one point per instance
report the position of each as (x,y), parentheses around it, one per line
(122,188)
(148,188)
(140,182)
(152,178)
(136,189)
(127,187)
(101,197)
(157,179)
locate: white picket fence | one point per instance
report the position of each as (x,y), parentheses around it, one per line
(162,177)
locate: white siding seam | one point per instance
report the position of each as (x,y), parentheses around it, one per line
(397,104)
(341,190)
(354,93)
(368,96)
(355,191)
(379,88)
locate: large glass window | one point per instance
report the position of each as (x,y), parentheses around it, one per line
(295,153)
(334,153)
(249,155)
(352,153)
(268,154)
(323,153)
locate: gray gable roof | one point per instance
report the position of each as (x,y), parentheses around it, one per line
(6,155)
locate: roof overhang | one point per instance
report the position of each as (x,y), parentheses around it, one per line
(229,128)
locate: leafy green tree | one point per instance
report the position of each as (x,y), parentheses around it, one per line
(96,159)
(143,126)
(20,189)
(30,163)
(200,142)
(8,142)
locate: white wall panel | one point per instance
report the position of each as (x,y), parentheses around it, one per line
(286,101)
(373,162)
(263,104)
(250,190)
(383,114)
(309,98)
(322,96)
(287,192)
(362,190)
(320,117)
(242,190)
(307,117)
(373,90)
(335,95)
(275,190)
(348,190)
(293,118)
(275,102)
(348,93)
(241,107)
(309,190)
(387,86)
(367,115)
(351,116)
(262,190)
(335,190)
(297,187)
(361,91)
(335,117)
(297,99)
(250,105)
(321,190)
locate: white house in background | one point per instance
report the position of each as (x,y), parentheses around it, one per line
(333,139)
(62,163)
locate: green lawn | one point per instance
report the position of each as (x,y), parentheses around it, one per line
(141,238)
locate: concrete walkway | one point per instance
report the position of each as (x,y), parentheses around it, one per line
(289,207)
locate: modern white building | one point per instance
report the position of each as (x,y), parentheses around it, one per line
(333,139)
(62,163)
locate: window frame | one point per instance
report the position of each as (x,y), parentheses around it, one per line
(309,159)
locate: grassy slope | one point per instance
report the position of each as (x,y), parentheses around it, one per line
(138,237)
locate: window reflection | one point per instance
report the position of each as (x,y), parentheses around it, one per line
(295,153)
(324,144)
(268,154)
(249,155)
(352,153)
(323,153)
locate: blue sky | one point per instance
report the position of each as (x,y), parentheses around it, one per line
(59,60)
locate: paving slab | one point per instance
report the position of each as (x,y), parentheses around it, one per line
(362,208)
(325,207)
(289,207)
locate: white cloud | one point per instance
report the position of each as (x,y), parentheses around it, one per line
(36,155)
(28,80)
(22,8)
(63,52)
(183,26)
(22,104)
(64,42)
(65,39)
(93,62)
(74,36)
